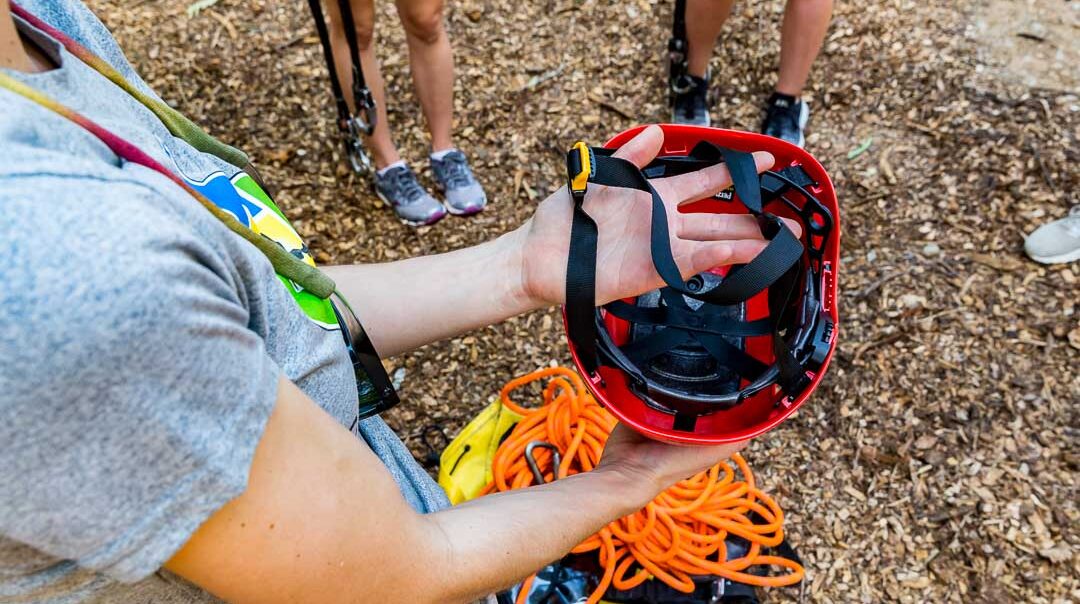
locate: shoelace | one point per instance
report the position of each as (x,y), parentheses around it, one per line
(403,181)
(455,171)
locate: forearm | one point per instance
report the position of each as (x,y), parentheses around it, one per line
(406,304)
(323,521)
(498,540)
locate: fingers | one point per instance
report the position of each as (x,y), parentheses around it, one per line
(717,227)
(707,182)
(702,256)
(642,148)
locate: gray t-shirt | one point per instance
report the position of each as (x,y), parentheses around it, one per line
(142,340)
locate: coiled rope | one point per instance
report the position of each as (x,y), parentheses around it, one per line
(679,534)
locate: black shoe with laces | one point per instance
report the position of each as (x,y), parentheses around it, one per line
(691,107)
(785,118)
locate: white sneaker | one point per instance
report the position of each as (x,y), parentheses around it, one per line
(1056,242)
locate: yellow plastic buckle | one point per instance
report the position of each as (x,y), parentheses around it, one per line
(579,168)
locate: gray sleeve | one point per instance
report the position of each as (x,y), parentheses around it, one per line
(78,22)
(132,390)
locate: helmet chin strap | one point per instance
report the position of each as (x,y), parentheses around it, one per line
(691,323)
(599,166)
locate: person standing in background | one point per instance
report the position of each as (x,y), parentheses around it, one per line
(801,35)
(432,63)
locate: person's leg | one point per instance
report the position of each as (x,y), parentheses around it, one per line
(395,183)
(801,36)
(432,62)
(380,143)
(704,18)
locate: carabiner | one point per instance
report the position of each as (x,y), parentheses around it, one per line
(535,467)
(366,117)
(681,84)
(354,148)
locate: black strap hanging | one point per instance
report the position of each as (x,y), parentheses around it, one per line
(678,48)
(581,261)
(778,262)
(353,126)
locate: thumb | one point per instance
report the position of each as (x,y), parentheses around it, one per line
(641,149)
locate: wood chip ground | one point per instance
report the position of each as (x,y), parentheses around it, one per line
(938,462)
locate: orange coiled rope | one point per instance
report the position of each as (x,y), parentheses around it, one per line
(679,534)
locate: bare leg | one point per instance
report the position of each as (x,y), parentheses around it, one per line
(803,31)
(380,143)
(704,18)
(432,63)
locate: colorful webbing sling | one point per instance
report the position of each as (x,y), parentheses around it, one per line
(377,391)
(177,124)
(284,263)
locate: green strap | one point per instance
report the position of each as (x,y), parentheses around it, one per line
(178,124)
(183,128)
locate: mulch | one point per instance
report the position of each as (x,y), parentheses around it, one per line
(938,461)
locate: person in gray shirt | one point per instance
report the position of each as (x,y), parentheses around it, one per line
(175,417)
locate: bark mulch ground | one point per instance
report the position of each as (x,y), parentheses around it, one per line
(938,462)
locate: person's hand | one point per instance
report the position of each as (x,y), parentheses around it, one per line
(624,265)
(653,465)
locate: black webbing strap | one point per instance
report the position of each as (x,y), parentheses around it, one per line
(362,100)
(784,249)
(689,320)
(772,182)
(796,174)
(792,375)
(780,256)
(678,51)
(678,21)
(328,55)
(359,88)
(581,277)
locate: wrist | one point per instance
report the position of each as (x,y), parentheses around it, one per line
(524,271)
(516,293)
(635,488)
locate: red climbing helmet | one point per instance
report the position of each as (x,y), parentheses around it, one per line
(729,353)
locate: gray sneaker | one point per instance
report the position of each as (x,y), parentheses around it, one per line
(1056,242)
(464,196)
(400,190)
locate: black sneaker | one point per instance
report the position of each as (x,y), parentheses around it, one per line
(785,118)
(691,106)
